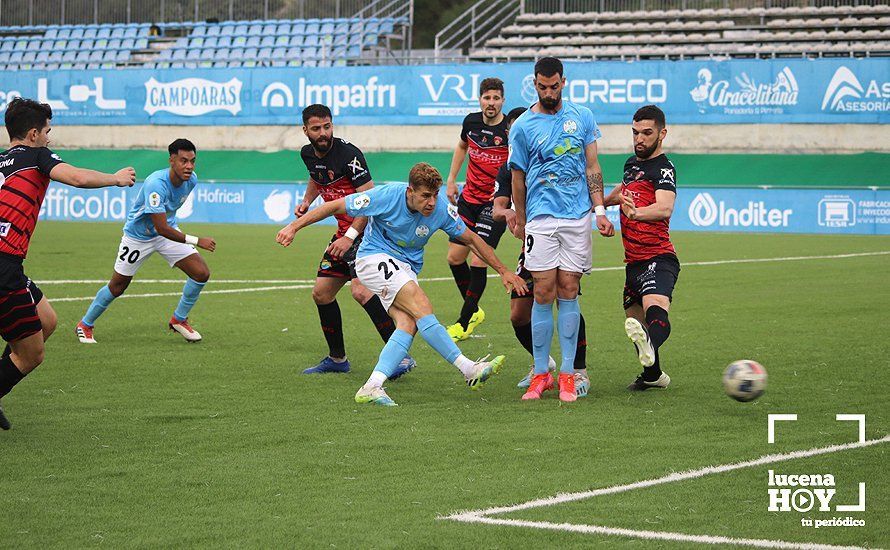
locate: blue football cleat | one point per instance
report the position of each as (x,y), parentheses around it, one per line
(328,365)
(404,367)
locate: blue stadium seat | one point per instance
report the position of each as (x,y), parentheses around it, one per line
(128,44)
(7,46)
(310,53)
(4,57)
(51,32)
(73,45)
(82,56)
(265,54)
(178,55)
(253,42)
(224,42)
(199,30)
(241,30)
(63,33)
(60,45)
(293,53)
(250,63)
(96,55)
(21,45)
(309,63)
(341,39)
(282,40)
(193,55)
(236,54)
(118,32)
(122,56)
(166,55)
(195,43)
(370,39)
(283,28)
(207,54)
(101,44)
(89,32)
(341,28)
(250,53)
(220,64)
(110,55)
(66,66)
(296,40)
(205,65)
(233,64)
(52,66)
(34,45)
(86,44)
(114,44)
(141,44)
(42,57)
(294,63)
(255,30)
(239,41)
(311,28)
(213,30)
(387,26)
(311,40)
(298,28)
(104,32)
(227,30)
(55,57)
(210,42)
(69,56)
(267,42)
(279,53)
(131,32)
(221,54)
(269,29)
(177,65)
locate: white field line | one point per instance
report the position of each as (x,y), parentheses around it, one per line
(481,516)
(439,279)
(157,294)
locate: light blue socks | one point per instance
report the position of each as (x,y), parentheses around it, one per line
(190,293)
(437,337)
(568,318)
(393,352)
(100,303)
(542,334)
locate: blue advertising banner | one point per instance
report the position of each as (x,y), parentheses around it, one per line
(842,90)
(858,211)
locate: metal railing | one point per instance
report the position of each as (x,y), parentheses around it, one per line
(480,22)
(80,12)
(569,6)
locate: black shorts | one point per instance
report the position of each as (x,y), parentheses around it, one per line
(657,275)
(479,220)
(343,268)
(526,276)
(19,297)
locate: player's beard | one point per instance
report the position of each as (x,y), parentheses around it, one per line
(549,103)
(322,148)
(647,152)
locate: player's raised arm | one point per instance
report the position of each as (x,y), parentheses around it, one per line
(310,195)
(91,179)
(510,280)
(286,236)
(660,210)
(165,230)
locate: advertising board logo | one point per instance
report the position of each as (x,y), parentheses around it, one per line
(192,96)
(7,96)
(368,95)
(277,94)
(605,91)
(528,92)
(837,211)
(278,205)
(747,96)
(845,93)
(704,211)
(80,93)
(449,94)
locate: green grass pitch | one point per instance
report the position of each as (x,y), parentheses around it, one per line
(146,441)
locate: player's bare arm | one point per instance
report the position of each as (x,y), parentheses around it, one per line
(613,198)
(660,210)
(518,179)
(164,230)
(339,247)
(286,236)
(310,195)
(91,179)
(457,160)
(510,280)
(595,188)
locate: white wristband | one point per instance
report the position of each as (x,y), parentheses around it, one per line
(599,210)
(191,239)
(351,233)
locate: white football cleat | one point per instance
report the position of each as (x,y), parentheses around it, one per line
(185,329)
(640,338)
(84,333)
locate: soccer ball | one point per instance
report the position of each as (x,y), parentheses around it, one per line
(744,380)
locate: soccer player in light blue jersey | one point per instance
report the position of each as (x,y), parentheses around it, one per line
(402,218)
(151,227)
(557,181)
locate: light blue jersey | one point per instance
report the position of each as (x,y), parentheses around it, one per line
(157,196)
(550,150)
(393,229)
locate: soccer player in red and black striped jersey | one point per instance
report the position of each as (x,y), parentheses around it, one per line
(484,138)
(338,168)
(646,196)
(26,168)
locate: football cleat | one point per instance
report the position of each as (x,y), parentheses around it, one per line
(405,366)
(567,387)
(525,382)
(485,370)
(641,385)
(640,338)
(84,333)
(475,320)
(582,383)
(185,329)
(376,395)
(457,333)
(328,365)
(540,384)
(4,422)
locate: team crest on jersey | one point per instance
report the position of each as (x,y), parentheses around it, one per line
(569,127)
(361,201)
(498,140)
(452,211)
(422,231)
(154,200)
(331,175)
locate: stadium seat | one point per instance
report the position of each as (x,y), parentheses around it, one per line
(282,40)
(89,32)
(101,44)
(104,32)
(213,30)
(241,30)
(267,41)
(296,40)
(118,32)
(253,42)
(269,30)
(221,54)
(265,54)
(224,42)
(279,53)
(55,56)
(239,41)
(178,55)
(293,53)
(250,54)
(234,64)
(193,55)
(195,43)
(199,30)
(95,55)
(236,54)
(141,44)
(298,27)
(42,57)
(128,44)
(82,56)
(131,32)
(283,29)
(86,44)
(255,30)
(7,46)
(68,57)
(227,30)
(220,64)
(4,57)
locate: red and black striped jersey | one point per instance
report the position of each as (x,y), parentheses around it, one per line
(24,178)
(488,150)
(337,174)
(644,240)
